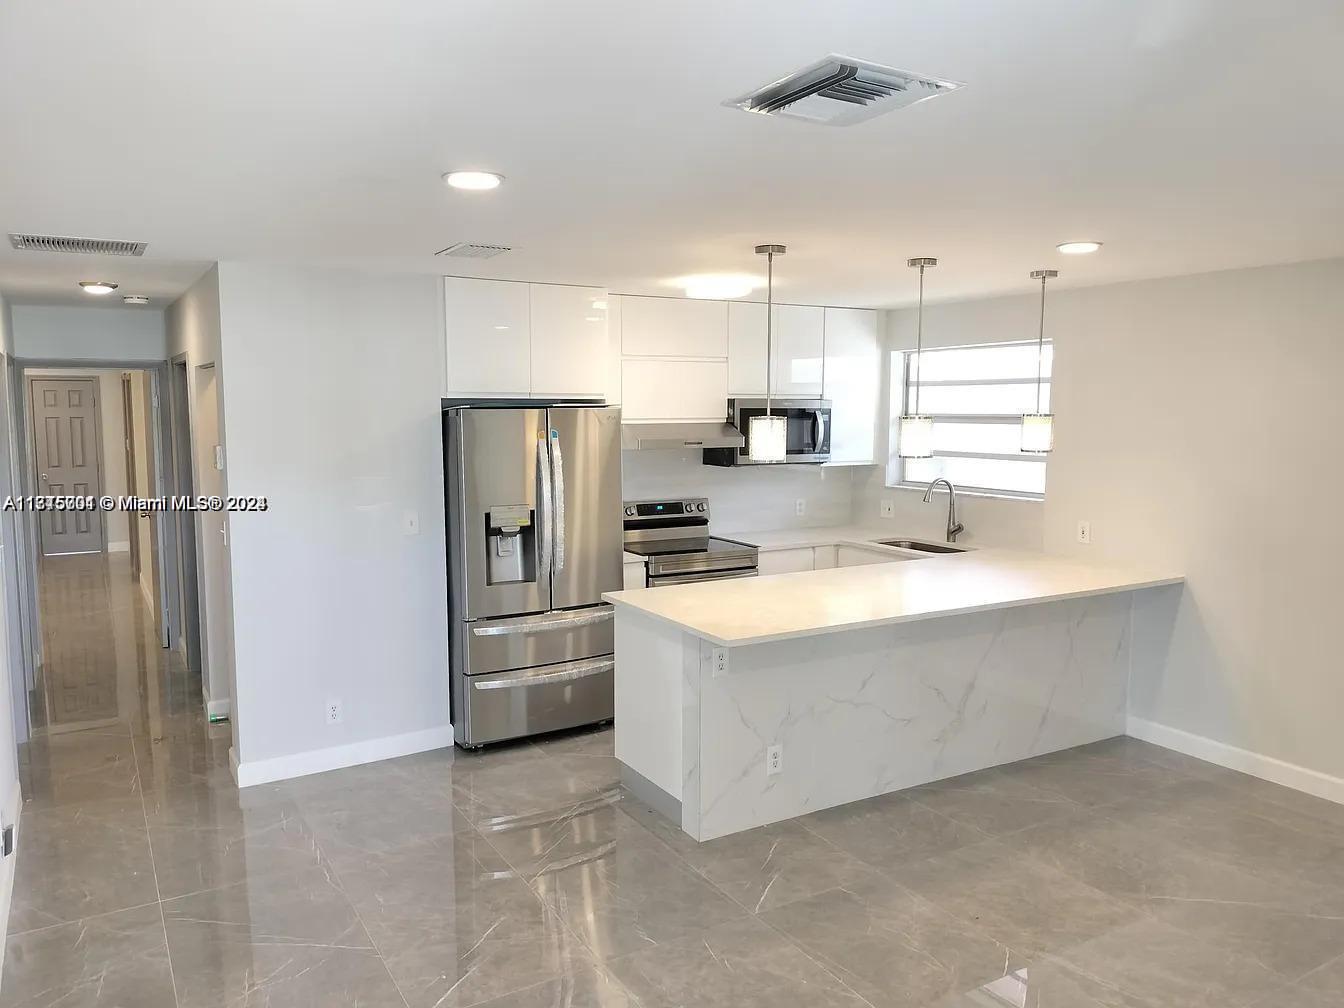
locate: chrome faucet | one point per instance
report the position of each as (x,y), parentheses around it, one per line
(954,527)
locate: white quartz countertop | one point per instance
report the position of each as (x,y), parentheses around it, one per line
(808,603)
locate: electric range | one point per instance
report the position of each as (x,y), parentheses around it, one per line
(673,537)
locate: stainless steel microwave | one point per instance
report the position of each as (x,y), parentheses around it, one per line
(809,431)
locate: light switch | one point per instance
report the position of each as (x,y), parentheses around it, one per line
(219,457)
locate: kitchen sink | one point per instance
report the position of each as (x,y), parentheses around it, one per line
(922,547)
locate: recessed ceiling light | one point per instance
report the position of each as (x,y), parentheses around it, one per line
(97,286)
(1078,247)
(718,286)
(135,299)
(474,180)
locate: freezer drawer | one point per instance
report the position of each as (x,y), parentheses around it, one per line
(523,641)
(506,705)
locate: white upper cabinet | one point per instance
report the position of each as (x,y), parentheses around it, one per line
(798,351)
(853,383)
(673,327)
(796,357)
(518,340)
(489,338)
(569,341)
(660,389)
(746,349)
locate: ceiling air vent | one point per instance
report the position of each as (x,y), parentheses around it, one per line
(840,91)
(83,246)
(473,250)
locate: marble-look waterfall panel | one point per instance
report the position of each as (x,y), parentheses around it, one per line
(868,712)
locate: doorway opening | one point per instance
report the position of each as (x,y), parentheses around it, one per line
(111,632)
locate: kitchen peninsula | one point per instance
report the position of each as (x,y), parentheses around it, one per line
(741,703)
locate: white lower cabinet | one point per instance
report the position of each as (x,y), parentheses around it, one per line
(823,557)
(856,556)
(785,561)
(633,574)
(667,389)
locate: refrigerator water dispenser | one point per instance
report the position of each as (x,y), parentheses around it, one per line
(510,545)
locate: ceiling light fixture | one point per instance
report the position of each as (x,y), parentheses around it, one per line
(97,286)
(1038,429)
(135,299)
(475,181)
(914,433)
(1078,247)
(767,435)
(718,286)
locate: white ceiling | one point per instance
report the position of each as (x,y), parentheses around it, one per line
(1189,135)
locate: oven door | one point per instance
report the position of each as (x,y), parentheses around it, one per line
(809,428)
(677,579)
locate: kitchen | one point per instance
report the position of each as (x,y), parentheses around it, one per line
(911,612)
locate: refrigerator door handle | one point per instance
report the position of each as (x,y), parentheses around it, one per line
(558,479)
(544,623)
(569,672)
(544,530)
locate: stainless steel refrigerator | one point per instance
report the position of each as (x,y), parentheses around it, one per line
(533,498)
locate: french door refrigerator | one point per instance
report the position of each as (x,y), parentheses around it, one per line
(533,498)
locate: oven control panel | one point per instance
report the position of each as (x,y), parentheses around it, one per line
(670,511)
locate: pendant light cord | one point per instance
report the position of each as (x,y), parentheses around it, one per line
(1040,350)
(769,321)
(919,340)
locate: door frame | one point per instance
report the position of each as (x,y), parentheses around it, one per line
(182,447)
(26,567)
(31,404)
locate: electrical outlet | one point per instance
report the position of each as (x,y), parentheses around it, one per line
(774,760)
(719,661)
(1085,532)
(800,507)
(333,710)
(887,509)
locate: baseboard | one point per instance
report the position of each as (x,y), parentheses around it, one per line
(337,757)
(119,547)
(1277,771)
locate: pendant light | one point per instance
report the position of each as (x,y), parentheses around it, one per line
(914,435)
(767,435)
(1038,429)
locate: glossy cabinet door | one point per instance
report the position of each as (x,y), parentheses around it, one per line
(798,353)
(488,335)
(673,327)
(796,356)
(853,383)
(569,341)
(654,389)
(854,556)
(746,349)
(785,561)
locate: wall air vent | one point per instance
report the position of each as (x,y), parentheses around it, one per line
(840,91)
(82,246)
(473,250)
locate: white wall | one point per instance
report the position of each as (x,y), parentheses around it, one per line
(745,498)
(61,332)
(1197,428)
(331,404)
(193,329)
(10,799)
(989,521)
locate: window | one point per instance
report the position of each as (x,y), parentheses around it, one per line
(976,396)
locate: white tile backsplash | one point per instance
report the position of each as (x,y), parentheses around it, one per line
(746,497)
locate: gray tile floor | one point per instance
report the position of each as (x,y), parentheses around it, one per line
(1119,874)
